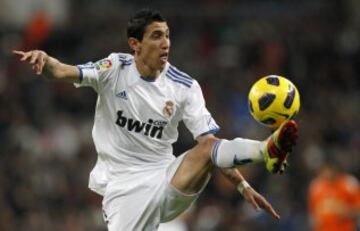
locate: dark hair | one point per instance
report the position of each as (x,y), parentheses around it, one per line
(140,20)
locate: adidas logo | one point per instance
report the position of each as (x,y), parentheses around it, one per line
(122,95)
(238,161)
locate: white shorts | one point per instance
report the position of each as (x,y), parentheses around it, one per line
(145,199)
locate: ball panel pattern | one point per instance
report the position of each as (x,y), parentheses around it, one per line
(272,80)
(251,107)
(290,98)
(268,121)
(266,100)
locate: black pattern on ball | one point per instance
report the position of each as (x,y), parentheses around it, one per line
(273,81)
(251,107)
(268,121)
(290,97)
(266,100)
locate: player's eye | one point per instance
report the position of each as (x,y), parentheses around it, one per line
(156,35)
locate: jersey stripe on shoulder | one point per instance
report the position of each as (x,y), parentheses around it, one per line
(124,59)
(178,76)
(189,81)
(179,73)
(178,80)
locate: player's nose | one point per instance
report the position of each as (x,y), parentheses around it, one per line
(165,43)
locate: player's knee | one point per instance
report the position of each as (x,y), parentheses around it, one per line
(206,146)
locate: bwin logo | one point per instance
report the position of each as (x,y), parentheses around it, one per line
(151,128)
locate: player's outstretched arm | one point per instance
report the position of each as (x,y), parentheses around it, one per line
(50,67)
(250,195)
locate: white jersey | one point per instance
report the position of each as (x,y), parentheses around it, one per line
(136,119)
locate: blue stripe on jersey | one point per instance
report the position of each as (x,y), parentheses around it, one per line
(212,131)
(81,74)
(122,59)
(178,80)
(125,61)
(176,76)
(180,73)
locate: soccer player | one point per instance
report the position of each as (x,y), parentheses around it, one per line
(141,100)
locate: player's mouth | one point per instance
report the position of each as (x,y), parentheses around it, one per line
(164,57)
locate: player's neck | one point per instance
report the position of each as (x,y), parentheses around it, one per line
(146,71)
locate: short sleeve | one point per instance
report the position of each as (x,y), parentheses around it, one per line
(96,74)
(196,116)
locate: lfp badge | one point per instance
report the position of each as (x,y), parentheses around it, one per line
(103,64)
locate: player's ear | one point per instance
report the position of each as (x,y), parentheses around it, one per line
(134,44)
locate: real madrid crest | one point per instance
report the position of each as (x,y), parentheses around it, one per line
(168,109)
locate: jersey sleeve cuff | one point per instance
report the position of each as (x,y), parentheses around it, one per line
(81,76)
(212,131)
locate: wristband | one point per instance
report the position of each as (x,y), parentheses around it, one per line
(243,185)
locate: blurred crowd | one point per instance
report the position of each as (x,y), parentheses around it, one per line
(46,149)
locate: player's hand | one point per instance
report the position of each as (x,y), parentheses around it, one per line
(258,201)
(35,58)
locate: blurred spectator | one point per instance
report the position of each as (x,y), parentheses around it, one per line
(17,13)
(334,199)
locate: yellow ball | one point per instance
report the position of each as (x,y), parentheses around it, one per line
(273,99)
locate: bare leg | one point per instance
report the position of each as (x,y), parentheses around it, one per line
(195,168)
(208,153)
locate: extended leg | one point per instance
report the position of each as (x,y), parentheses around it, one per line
(194,170)
(200,160)
(198,164)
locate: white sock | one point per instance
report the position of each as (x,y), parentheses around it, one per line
(231,153)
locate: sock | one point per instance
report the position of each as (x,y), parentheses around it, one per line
(231,153)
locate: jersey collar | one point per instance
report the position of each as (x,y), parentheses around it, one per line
(135,75)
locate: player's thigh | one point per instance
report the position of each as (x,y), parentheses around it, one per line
(175,201)
(194,169)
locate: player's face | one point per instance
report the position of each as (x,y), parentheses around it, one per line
(154,48)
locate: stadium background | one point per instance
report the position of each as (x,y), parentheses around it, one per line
(46,151)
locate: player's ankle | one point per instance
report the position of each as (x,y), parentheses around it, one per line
(232,153)
(263,149)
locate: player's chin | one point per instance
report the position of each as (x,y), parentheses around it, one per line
(161,64)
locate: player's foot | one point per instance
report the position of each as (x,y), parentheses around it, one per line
(279,145)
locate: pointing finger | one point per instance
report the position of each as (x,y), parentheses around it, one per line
(18,52)
(268,208)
